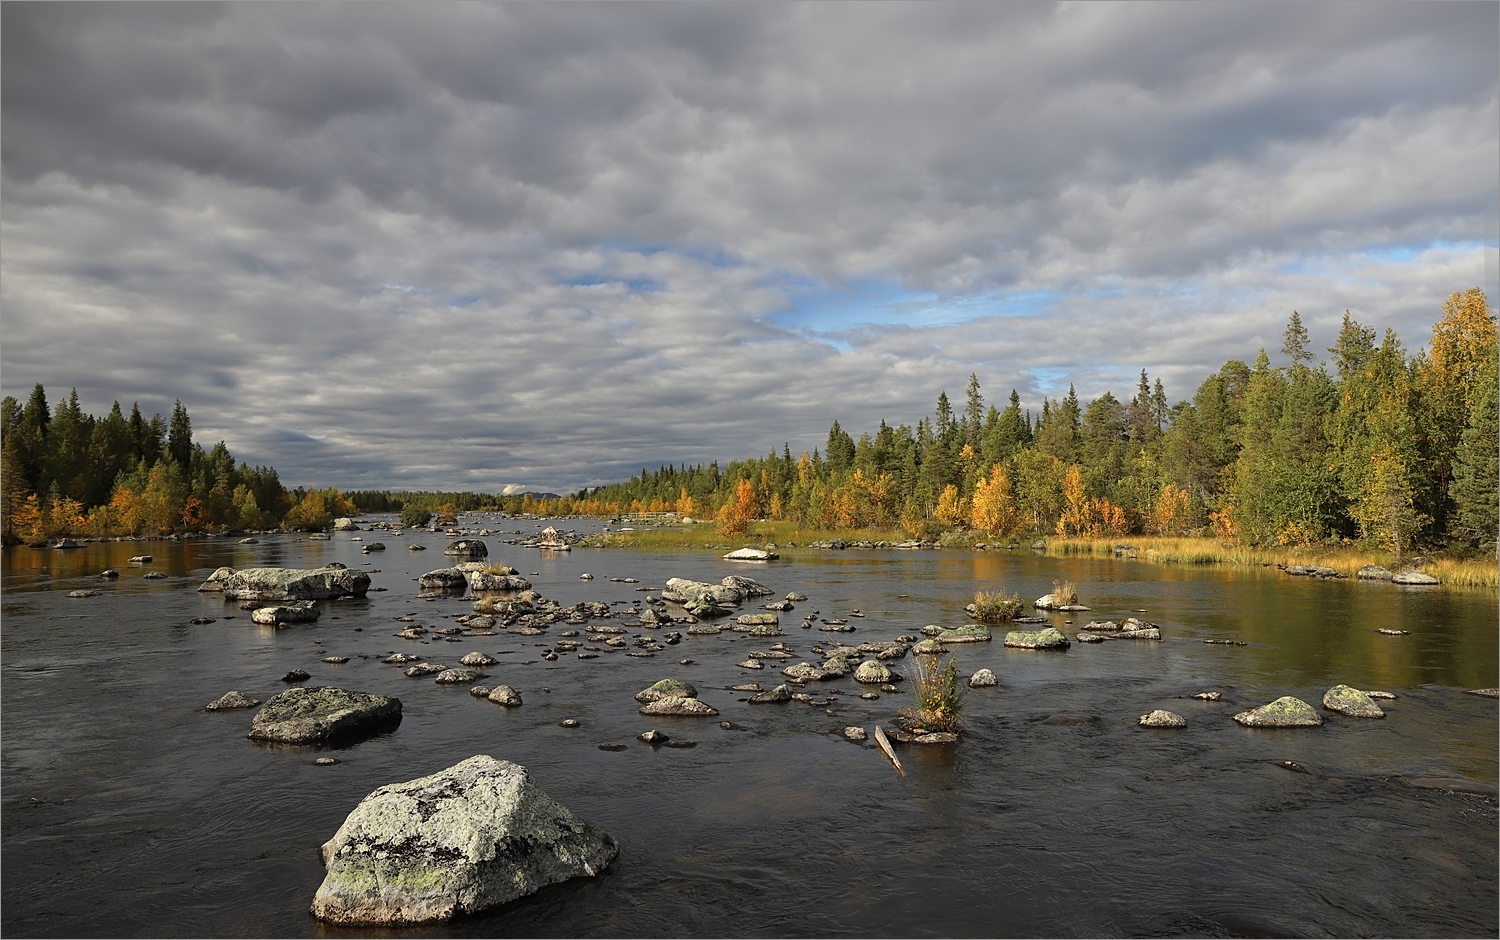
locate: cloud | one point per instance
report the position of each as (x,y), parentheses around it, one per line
(540,246)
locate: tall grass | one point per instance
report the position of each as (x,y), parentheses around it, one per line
(996,607)
(936,694)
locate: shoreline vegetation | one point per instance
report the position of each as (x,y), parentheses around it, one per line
(1378,457)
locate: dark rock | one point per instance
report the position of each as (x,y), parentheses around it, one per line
(296,675)
(230,700)
(323,714)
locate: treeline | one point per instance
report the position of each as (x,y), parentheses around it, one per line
(1372,445)
(65,472)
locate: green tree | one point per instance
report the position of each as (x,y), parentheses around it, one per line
(1476,467)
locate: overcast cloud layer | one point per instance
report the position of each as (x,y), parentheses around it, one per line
(511,246)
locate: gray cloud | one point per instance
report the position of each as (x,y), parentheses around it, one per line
(479,245)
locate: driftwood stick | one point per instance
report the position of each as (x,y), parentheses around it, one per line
(885,745)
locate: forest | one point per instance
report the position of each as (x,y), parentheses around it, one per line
(1373,445)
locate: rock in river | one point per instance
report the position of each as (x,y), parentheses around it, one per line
(983,679)
(1351,702)
(322,714)
(443,579)
(675,705)
(751,554)
(1414,577)
(968,633)
(235,699)
(305,612)
(666,688)
(468,548)
(477,834)
(295,584)
(505,695)
(872,672)
(1159,718)
(770,696)
(1047,639)
(1285,712)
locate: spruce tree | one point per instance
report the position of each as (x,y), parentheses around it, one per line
(1476,468)
(180,437)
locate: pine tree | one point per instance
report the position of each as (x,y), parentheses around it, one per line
(1294,341)
(973,413)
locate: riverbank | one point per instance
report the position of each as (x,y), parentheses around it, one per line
(789,538)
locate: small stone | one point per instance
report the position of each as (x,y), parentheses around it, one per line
(1394,632)
(505,695)
(479,691)
(675,705)
(1291,765)
(935,737)
(296,675)
(457,676)
(1487,693)
(983,679)
(325,761)
(746,687)
(568,723)
(336,660)
(779,694)
(1209,696)
(855,733)
(869,696)
(653,737)
(751,664)
(612,747)
(230,700)
(1159,718)
(1375,693)
(666,688)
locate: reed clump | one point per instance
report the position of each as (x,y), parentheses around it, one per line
(996,606)
(937,696)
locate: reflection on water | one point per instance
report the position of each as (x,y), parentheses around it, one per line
(1056,816)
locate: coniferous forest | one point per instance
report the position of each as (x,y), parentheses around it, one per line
(1366,443)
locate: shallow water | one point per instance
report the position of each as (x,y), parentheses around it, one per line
(129,811)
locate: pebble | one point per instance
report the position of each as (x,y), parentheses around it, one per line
(1394,632)
(1209,696)
(568,723)
(1290,765)
(325,761)
(653,737)
(336,660)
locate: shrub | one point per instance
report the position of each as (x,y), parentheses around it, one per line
(414,517)
(937,695)
(1064,592)
(996,607)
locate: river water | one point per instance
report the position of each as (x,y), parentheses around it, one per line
(130,811)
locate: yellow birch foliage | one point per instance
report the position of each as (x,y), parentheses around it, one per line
(1170,511)
(994,509)
(951,509)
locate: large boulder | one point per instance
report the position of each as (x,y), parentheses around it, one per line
(323,714)
(968,633)
(487,581)
(1414,577)
(477,834)
(295,584)
(1285,712)
(983,679)
(215,581)
(666,688)
(468,548)
(1374,573)
(1352,702)
(692,593)
(746,586)
(344,524)
(1046,639)
(751,554)
(443,579)
(872,672)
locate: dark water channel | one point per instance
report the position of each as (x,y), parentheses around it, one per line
(130,811)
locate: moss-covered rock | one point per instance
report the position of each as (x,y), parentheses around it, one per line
(1046,639)
(677,705)
(1352,702)
(666,688)
(322,714)
(872,672)
(757,620)
(477,834)
(303,612)
(805,672)
(1285,712)
(1160,718)
(968,633)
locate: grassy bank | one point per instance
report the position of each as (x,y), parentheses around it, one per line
(791,538)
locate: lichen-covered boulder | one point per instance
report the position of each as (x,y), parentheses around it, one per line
(505,695)
(757,620)
(1047,639)
(1374,573)
(443,579)
(345,524)
(747,586)
(805,672)
(458,677)
(1160,718)
(968,633)
(323,714)
(929,647)
(983,679)
(770,696)
(468,548)
(477,834)
(695,593)
(1285,712)
(1352,702)
(678,705)
(489,581)
(295,584)
(305,612)
(666,688)
(872,672)
(215,581)
(478,659)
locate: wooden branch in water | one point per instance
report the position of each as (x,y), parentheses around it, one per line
(885,745)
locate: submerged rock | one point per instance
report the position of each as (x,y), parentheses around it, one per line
(1285,712)
(295,584)
(322,714)
(1048,639)
(477,834)
(1351,702)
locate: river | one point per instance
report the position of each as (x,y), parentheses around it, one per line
(130,811)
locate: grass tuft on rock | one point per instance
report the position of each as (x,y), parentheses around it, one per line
(937,696)
(996,607)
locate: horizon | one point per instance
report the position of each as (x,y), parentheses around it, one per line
(504,247)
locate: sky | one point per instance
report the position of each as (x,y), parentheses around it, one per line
(507,247)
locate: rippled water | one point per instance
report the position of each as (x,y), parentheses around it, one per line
(129,811)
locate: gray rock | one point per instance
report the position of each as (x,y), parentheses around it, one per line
(653,737)
(373,547)
(443,579)
(1352,702)
(295,584)
(674,705)
(109,573)
(322,714)
(930,647)
(344,524)
(470,837)
(468,548)
(477,659)
(305,612)
(749,587)
(1414,577)
(425,669)
(1046,639)
(230,700)
(483,581)
(1374,573)
(779,694)
(84,593)
(872,672)
(457,677)
(215,581)
(1487,693)
(296,675)
(1209,696)
(855,733)
(505,695)
(666,688)
(751,554)
(983,679)
(1285,712)
(935,737)
(1159,718)
(796,596)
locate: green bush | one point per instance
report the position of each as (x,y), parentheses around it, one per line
(415,518)
(995,607)
(937,696)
